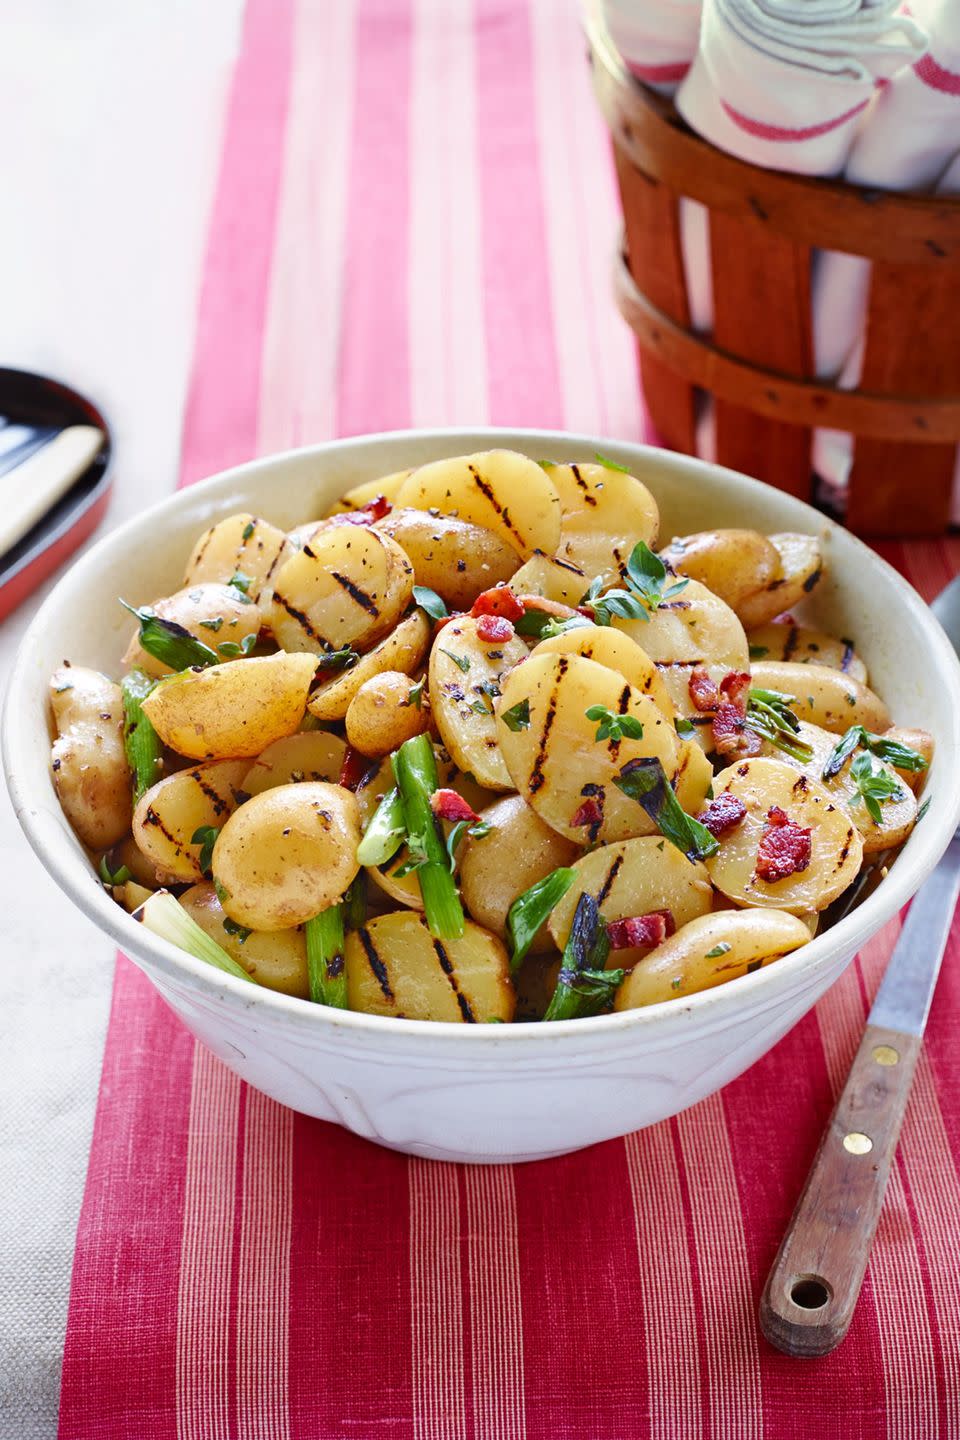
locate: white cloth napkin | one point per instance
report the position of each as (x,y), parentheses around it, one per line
(657,38)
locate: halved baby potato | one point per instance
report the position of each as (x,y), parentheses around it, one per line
(287,854)
(364,494)
(403,649)
(898,812)
(312,755)
(346,587)
(631,878)
(274,958)
(734,564)
(385,712)
(451,556)
(552,577)
(605,513)
(466,678)
(803,646)
(801,564)
(231,710)
(836,850)
(241,544)
(619,652)
(90,769)
(693,781)
(823,696)
(499,490)
(710,951)
(171,812)
(394,966)
(497,867)
(554,758)
(211,612)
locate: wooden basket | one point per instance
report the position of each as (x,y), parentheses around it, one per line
(758,363)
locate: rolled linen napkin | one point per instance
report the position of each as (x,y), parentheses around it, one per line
(784,83)
(657,38)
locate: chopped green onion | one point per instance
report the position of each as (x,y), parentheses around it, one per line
(112,877)
(140,741)
(430,601)
(518,716)
(169,642)
(609,464)
(355,903)
(769,716)
(326,969)
(902,757)
(531,909)
(385,833)
(584,985)
(415,769)
(645,781)
(717,951)
(206,838)
(165,916)
(757,652)
(923,809)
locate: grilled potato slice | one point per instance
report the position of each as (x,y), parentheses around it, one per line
(313,755)
(694,778)
(605,513)
(630,878)
(242,544)
(212,613)
(231,710)
(710,951)
(554,758)
(360,495)
(451,556)
(518,851)
(274,958)
(801,564)
(172,811)
(552,577)
(898,813)
(499,490)
(823,696)
(394,966)
(618,652)
(803,646)
(403,649)
(696,629)
(836,850)
(466,677)
(346,587)
(287,854)
(382,714)
(734,564)
(90,769)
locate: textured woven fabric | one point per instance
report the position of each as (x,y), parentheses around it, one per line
(413,226)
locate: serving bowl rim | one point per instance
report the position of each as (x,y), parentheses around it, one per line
(77,880)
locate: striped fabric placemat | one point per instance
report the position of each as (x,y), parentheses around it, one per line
(412,227)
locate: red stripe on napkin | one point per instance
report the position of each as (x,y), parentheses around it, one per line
(937,76)
(785,134)
(659,74)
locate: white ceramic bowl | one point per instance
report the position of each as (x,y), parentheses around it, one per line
(484,1093)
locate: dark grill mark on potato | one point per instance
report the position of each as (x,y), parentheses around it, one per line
(216,800)
(152,818)
(608,883)
(446,965)
(375,963)
(847,658)
(789,649)
(846,849)
(812,580)
(492,500)
(537,776)
(203,546)
(365,601)
(302,620)
(624,701)
(588,499)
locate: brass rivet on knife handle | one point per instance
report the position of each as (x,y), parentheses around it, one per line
(812,1289)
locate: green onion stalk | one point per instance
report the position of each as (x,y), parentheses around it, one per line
(415,769)
(165,916)
(140,741)
(326,971)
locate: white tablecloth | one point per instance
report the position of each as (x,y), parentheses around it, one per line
(111,116)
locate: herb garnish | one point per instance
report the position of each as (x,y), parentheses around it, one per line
(647,589)
(206,838)
(248,530)
(609,464)
(529,910)
(518,716)
(769,715)
(242,583)
(169,642)
(120,876)
(645,781)
(584,985)
(757,652)
(415,695)
(923,809)
(476,829)
(430,601)
(239,932)
(613,726)
(462,662)
(684,727)
(874,784)
(543,626)
(229,648)
(898,755)
(337,660)
(717,951)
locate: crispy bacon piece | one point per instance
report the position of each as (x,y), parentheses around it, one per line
(494,629)
(784,847)
(448,805)
(354,767)
(730,736)
(589,813)
(703,692)
(375,509)
(735,688)
(723,814)
(641,930)
(498,601)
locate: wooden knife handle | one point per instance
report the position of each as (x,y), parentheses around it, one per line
(812,1289)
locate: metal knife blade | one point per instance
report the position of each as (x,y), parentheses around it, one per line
(903,1000)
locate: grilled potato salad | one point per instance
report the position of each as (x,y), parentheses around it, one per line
(469,749)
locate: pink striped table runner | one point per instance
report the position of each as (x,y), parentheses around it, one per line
(412,227)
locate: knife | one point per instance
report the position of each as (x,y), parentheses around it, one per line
(812,1289)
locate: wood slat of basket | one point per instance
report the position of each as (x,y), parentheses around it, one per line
(902,488)
(653,239)
(761,289)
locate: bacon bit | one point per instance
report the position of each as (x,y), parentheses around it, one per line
(498,601)
(438,625)
(735,688)
(723,814)
(784,847)
(590,813)
(641,930)
(548,607)
(730,737)
(354,768)
(448,805)
(375,509)
(703,692)
(494,629)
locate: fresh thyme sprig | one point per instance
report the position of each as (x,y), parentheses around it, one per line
(874,785)
(646,589)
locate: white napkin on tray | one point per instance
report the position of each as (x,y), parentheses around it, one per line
(657,38)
